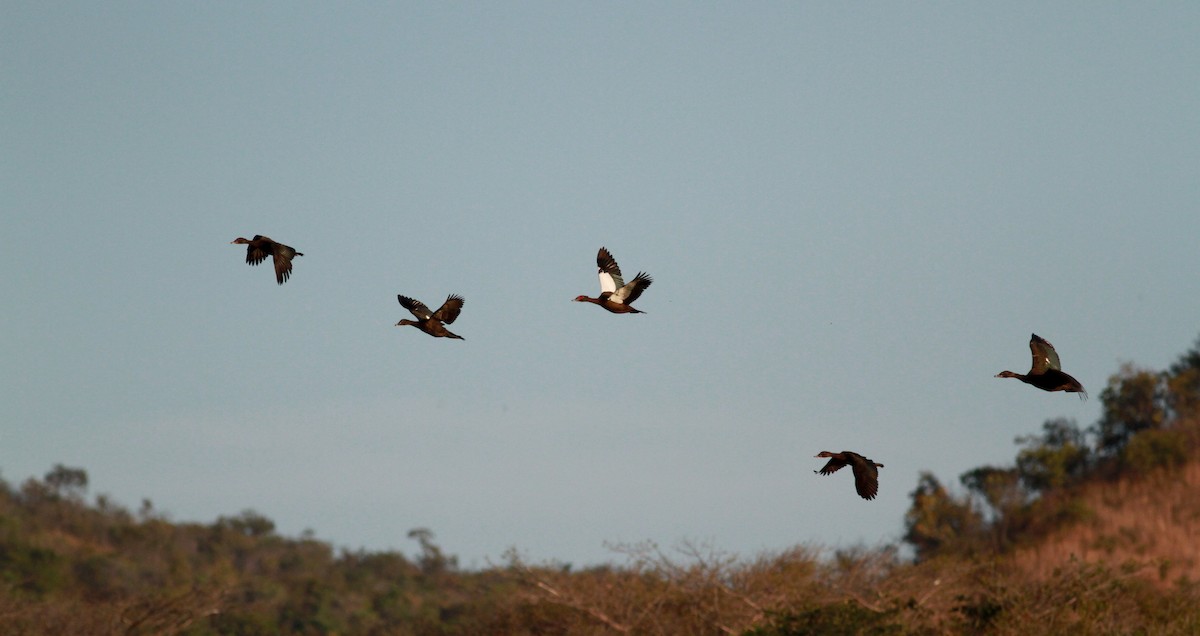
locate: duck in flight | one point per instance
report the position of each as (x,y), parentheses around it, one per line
(615,294)
(260,247)
(1046,373)
(866,471)
(433,322)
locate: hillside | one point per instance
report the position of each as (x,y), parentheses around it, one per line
(1151,524)
(71,568)
(1088,531)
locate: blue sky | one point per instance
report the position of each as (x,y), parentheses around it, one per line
(855,215)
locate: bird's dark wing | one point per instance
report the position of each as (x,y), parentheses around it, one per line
(835,464)
(258,249)
(417,307)
(866,478)
(283,262)
(287,250)
(610,274)
(449,309)
(1044,355)
(866,474)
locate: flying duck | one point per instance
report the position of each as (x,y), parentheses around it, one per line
(866,471)
(431,322)
(259,247)
(615,294)
(1046,373)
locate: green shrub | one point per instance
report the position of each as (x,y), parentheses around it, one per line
(32,570)
(1151,450)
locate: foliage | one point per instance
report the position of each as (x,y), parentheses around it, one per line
(67,482)
(73,568)
(1183,384)
(68,566)
(1134,401)
(1000,490)
(1155,450)
(938,521)
(1054,460)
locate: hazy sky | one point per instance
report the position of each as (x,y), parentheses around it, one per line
(854,213)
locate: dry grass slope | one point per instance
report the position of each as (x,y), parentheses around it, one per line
(1151,524)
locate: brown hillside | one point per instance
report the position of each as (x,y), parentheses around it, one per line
(1150,523)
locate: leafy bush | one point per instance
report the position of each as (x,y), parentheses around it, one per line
(1154,450)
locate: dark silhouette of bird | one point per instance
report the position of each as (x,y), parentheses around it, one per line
(431,322)
(260,247)
(615,295)
(866,471)
(1046,372)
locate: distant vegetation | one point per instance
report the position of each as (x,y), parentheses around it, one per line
(1090,530)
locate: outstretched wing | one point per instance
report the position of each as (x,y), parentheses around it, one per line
(866,475)
(610,274)
(866,479)
(449,309)
(835,464)
(283,262)
(417,307)
(630,292)
(258,249)
(1044,355)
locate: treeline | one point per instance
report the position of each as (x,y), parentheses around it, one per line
(70,566)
